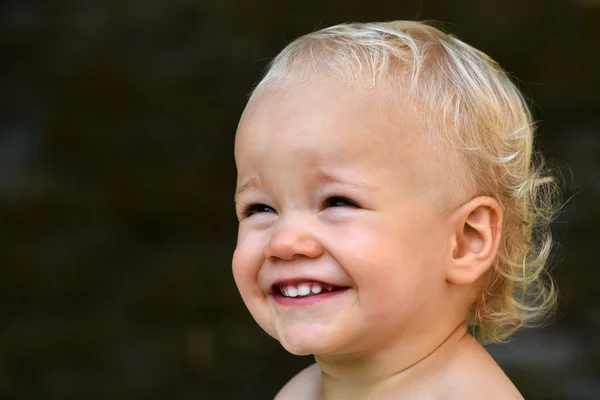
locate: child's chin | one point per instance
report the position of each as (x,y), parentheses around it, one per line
(301,338)
(306,346)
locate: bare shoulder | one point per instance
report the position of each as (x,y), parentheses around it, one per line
(473,374)
(306,385)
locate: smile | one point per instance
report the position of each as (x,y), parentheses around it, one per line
(305,293)
(304,289)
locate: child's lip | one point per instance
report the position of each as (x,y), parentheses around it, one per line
(294,281)
(308,300)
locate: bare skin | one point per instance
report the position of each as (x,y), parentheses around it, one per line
(459,369)
(338,186)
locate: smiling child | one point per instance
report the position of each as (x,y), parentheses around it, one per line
(387,199)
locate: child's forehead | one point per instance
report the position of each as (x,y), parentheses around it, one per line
(321,98)
(321,113)
(328,123)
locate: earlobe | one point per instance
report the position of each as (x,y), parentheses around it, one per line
(477,230)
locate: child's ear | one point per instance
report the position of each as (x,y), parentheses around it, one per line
(477,229)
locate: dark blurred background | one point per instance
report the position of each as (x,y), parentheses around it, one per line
(117,177)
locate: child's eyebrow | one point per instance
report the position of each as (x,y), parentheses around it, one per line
(321,176)
(324,177)
(252,184)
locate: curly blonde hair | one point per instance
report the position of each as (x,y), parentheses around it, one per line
(483,115)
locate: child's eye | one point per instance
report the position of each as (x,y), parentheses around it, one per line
(252,209)
(339,201)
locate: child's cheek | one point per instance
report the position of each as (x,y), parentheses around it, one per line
(246,266)
(378,247)
(246,262)
(363,238)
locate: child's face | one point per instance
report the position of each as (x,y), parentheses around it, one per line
(339,192)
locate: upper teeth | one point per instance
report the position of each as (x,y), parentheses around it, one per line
(303,289)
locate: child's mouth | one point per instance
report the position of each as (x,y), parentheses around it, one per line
(305,289)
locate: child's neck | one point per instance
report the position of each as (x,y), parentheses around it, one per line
(399,368)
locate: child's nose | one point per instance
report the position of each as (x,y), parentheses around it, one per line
(289,243)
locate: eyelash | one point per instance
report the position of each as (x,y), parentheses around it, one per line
(341,199)
(252,209)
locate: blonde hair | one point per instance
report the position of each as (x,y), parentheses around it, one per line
(480,111)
